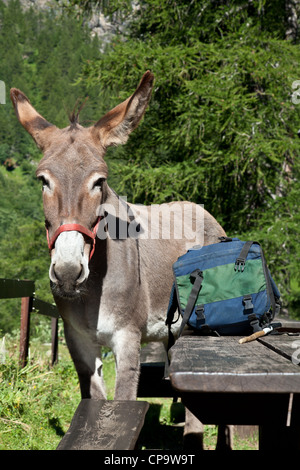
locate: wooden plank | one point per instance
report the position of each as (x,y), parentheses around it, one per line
(105,425)
(45,308)
(221,364)
(153,352)
(284,345)
(14,288)
(288,325)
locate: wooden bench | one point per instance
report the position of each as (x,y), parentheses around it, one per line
(223,382)
(105,425)
(116,425)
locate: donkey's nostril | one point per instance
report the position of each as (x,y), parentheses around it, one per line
(56,274)
(83,274)
(52,274)
(79,277)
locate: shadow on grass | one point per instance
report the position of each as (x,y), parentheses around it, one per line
(157,435)
(55,424)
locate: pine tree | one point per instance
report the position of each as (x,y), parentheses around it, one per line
(221,128)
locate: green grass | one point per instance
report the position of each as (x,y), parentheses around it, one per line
(37,404)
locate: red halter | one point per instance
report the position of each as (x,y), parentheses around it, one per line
(74,227)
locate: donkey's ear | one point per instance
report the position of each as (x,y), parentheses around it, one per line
(114,128)
(31,120)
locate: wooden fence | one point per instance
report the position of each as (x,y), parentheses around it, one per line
(15,288)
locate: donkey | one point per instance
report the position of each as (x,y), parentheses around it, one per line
(110,274)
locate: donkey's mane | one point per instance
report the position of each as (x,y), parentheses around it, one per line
(74,115)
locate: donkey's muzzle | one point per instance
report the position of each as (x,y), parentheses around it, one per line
(69,264)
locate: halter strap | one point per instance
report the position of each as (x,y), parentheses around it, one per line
(77,228)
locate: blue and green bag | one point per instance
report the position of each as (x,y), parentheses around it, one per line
(224,288)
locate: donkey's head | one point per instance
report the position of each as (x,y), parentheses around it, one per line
(73,173)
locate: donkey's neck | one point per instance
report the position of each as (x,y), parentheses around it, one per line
(118,217)
(115,266)
(114,244)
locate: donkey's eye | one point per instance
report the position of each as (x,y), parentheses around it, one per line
(98,183)
(45,182)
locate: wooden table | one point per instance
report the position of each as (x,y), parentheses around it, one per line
(223,382)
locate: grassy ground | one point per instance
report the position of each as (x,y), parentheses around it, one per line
(37,404)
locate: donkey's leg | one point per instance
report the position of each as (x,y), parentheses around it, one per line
(86,355)
(126,348)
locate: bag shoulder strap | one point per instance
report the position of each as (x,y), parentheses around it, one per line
(172,307)
(240,265)
(241,259)
(192,299)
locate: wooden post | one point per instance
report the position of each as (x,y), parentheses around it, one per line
(54,341)
(26,307)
